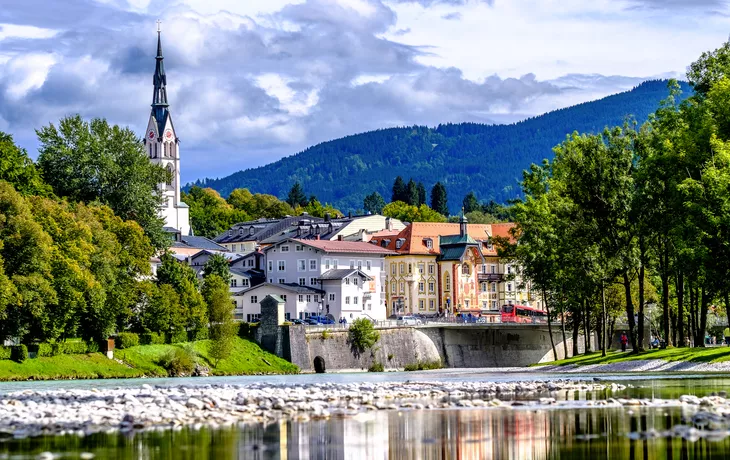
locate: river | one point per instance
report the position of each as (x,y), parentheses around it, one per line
(516,433)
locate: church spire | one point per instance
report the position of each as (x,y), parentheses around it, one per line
(159,97)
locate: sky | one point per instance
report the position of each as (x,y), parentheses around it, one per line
(251,81)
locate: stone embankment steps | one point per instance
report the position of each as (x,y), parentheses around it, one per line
(82,412)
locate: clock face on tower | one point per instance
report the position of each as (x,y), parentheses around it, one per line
(151,135)
(168,135)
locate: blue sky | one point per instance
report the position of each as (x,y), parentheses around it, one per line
(252,81)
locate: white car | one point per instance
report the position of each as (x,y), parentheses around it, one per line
(408,321)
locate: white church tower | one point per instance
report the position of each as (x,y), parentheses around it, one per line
(162,145)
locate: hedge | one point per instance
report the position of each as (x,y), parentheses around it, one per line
(126,340)
(19,353)
(60,348)
(5,352)
(151,338)
(177,337)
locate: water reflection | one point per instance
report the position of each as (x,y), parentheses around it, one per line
(428,435)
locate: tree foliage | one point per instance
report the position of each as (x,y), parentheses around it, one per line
(407,213)
(374,203)
(439,201)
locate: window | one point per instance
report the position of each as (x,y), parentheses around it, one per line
(429,243)
(251,230)
(494,304)
(447,282)
(421,304)
(254,299)
(334,264)
(402,287)
(244,283)
(282,281)
(359,264)
(332,297)
(301,265)
(509,287)
(465,269)
(282,265)
(466,303)
(431,305)
(354,300)
(392,269)
(493,269)
(494,287)
(285,249)
(250,262)
(287,316)
(302,281)
(352,264)
(316,297)
(431,287)
(509,269)
(301,298)
(283,297)
(347,281)
(430,269)
(483,268)
(354,281)
(484,304)
(393,287)
(347,300)
(313,264)
(368,265)
(309,297)
(299,248)
(233,247)
(402,268)
(420,268)
(421,287)
(271,265)
(410,268)
(234,282)
(326,264)
(313,281)
(484,287)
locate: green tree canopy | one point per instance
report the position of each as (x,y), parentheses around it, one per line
(439,202)
(400,192)
(374,203)
(218,265)
(296,196)
(18,169)
(407,213)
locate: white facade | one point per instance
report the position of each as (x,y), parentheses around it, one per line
(297,304)
(304,262)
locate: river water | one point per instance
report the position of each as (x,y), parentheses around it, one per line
(517,433)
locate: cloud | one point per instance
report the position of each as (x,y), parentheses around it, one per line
(428,3)
(703,5)
(455,16)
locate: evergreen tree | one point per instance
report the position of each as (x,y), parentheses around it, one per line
(374,203)
(296,196)
(439,201)
(470,203)
(421,194)
(412,193)
(399,190)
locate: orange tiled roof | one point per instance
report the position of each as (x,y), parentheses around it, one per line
(345,246)
(414,236)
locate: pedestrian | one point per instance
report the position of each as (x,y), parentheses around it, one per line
(726,334)
(624,341)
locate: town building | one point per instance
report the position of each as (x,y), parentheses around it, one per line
(299,301)
(163,148)
(449,269)
(346,276)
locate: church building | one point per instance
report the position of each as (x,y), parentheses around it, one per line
(163,148)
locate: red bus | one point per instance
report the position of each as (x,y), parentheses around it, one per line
(522,314)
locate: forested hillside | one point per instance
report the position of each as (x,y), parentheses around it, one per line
(486,159)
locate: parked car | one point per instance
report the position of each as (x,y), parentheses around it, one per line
(312,322)
(322,319)
(408,321)
(297,321)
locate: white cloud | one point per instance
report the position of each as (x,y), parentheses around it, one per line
(24,31)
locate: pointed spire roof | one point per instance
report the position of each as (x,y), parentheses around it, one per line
(159,97)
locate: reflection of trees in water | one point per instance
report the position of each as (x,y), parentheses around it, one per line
(433,435)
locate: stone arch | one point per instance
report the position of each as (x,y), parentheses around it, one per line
(319,365)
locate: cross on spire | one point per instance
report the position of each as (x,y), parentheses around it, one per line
(158,26)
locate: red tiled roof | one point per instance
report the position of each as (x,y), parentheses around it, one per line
(416,233)
(346,246)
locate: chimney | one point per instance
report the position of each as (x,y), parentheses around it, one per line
(349,214)
(326,217)
(339,237)
(299,232)
(388,224)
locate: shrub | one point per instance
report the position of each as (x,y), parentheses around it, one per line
(92,347)
(376,367)
(177,337)
(126,340)
(362,334)
(5,352)
(19,353)
(178,362)
(326,334)
(42,350)
(72,348)
(151,338)
(200,334)
(247,330)
(390,356)
(424,365)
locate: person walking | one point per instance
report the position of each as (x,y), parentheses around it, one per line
(726,334)
(624,341)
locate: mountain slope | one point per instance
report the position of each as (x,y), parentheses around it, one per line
(486,159)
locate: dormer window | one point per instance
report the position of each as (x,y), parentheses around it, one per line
(385,243)
(399,243)
(230,232)
(240,231)
(428,242)
(251,230)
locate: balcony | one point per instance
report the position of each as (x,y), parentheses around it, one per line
(490,277)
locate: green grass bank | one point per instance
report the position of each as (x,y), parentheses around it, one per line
(247,358)
(691,355)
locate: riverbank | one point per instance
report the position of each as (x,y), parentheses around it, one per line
(247,358)
(716,359)
(83,412)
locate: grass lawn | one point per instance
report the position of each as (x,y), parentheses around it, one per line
(696,355)
(90,366)
(246,358)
